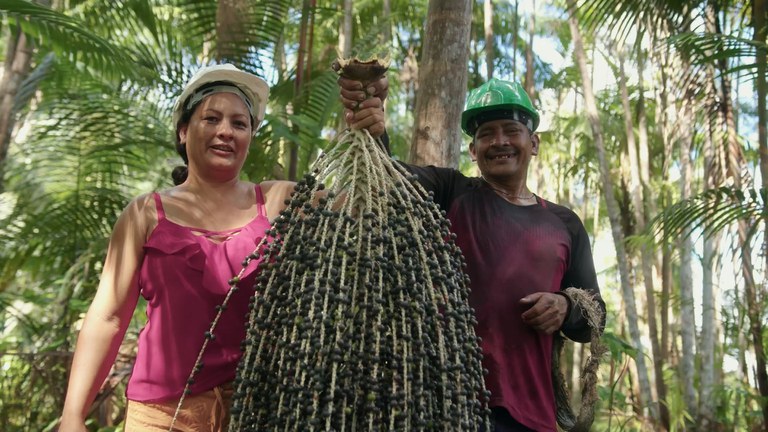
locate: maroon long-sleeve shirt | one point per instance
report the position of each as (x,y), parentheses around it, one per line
(512,251)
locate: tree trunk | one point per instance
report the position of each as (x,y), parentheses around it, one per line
(687,313)
(713,177)
(639,191)
(437,137)
(706,411)
(634,185)
(754,312)
(662,60)
(760,33)
(409,80)
(530,86)
(386,15)
(735,162)
(230,29)
(345,39)
(707,400)
(18,61)
(345,32)
(303,51)
(613,211)
(488,28)
(515,44)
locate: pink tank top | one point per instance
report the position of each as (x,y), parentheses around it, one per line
(184,277)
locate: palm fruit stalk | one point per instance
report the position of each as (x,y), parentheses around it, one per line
(361,319)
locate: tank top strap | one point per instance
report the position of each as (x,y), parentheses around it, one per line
(158,206)
(259,200)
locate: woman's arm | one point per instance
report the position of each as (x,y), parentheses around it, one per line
(108,316)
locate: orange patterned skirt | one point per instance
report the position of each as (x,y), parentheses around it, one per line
(204,412)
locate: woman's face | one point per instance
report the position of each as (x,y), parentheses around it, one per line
(217,136)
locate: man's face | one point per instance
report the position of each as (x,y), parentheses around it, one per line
(503,149)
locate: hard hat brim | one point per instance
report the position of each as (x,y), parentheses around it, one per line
(468,115)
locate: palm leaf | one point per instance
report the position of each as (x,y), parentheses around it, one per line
(249,45)
(92,152)
(623,16)
(68,37)
(705,49)
(709,212)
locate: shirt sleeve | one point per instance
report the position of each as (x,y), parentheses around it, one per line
(581,274)
(442,183)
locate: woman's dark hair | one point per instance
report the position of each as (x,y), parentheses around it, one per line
(179,173)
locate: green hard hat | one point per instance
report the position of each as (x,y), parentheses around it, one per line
(506,99)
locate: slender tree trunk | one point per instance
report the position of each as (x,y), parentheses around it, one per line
(613,211)
(642,136)
(409,74)
(530,86)
(709,322)
(735,163)
(488,29)
(638,191)
(651,261)
(386,15)
(713,177)
(662,60)
(687,313)
(476,78)
(281,67)
(345,39)
(760,33)
(18,62)
(442,84)
(345,32)
(754,312)
(301,61)
(515,44)
(634,184)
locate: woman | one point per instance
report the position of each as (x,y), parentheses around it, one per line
(178,248)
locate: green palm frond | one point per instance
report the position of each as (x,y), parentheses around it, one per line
(707,49)
(88,153)
(322,99)
(320,102)
(623,16)
(709,212)
(70,38)
(249,43)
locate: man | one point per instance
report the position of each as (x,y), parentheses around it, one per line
(522,251)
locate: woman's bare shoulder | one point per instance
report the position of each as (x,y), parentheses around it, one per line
(277,188)
(140,215)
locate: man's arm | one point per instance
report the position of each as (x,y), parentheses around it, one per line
(364,108)
(581,275)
